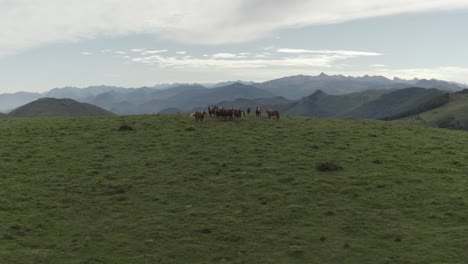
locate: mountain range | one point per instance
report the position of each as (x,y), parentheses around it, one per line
(371,104)
(186,97)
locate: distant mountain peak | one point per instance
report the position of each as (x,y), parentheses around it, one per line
(322,74)
(318,93)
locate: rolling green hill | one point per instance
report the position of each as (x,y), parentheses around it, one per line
(451,112)
(78,190)
(371,104)
(394,103)
(320,104)
(50,107)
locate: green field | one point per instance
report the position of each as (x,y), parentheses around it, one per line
(77,190)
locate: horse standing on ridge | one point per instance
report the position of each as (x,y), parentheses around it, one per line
(199,116)
(258,111)
(273,113)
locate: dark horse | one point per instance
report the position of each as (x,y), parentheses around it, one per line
(258,111)
(212,110)
(199,116)
(273,113)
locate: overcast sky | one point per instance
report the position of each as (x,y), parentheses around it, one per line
(46,44)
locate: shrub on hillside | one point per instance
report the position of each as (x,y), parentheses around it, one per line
(328,166)
(125,127)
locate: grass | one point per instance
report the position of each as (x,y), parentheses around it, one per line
(453,114)
(77,190)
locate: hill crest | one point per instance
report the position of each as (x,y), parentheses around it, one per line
(52,107)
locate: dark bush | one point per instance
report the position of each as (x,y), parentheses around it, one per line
(126,127)
(328,166)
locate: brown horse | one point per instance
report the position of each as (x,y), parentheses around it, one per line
(249,109)
(212,110)
(273,113)
(225,113)
(258,111)
(199,116)
(238,113)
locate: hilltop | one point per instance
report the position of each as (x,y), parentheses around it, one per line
(301,190)
(58,107)
(446,111)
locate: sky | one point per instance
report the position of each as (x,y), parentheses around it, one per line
(46,44)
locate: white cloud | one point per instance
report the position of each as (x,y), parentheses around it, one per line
(181,52)
(137,50)
(120,52)
(224,56)
(250,61)
(241,55)
(26,24)
(85,53)
(378,65)
(154,51)
(456,74)
(349,53)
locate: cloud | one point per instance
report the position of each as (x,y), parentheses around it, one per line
(229,56)
(457,74)
(154,51)
(26,24)
(251,61)
(85,53)
(348,53)
(378,65)
(181,52)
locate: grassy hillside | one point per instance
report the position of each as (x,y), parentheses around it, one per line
(371,104)
(452,114)
(395,103)
(51,107)
(320,104)
(78,190)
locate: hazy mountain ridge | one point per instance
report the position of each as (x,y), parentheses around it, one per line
(185,97)
(189,99)
(371,104)
(295,87)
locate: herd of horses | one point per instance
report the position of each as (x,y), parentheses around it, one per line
(233,113)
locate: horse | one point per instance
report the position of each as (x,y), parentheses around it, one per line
(249,109)
(238,113)
(258,111)
(212,110)
(199,116)
(273,113)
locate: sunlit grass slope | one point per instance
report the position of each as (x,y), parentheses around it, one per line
(453,114)
(77,190)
